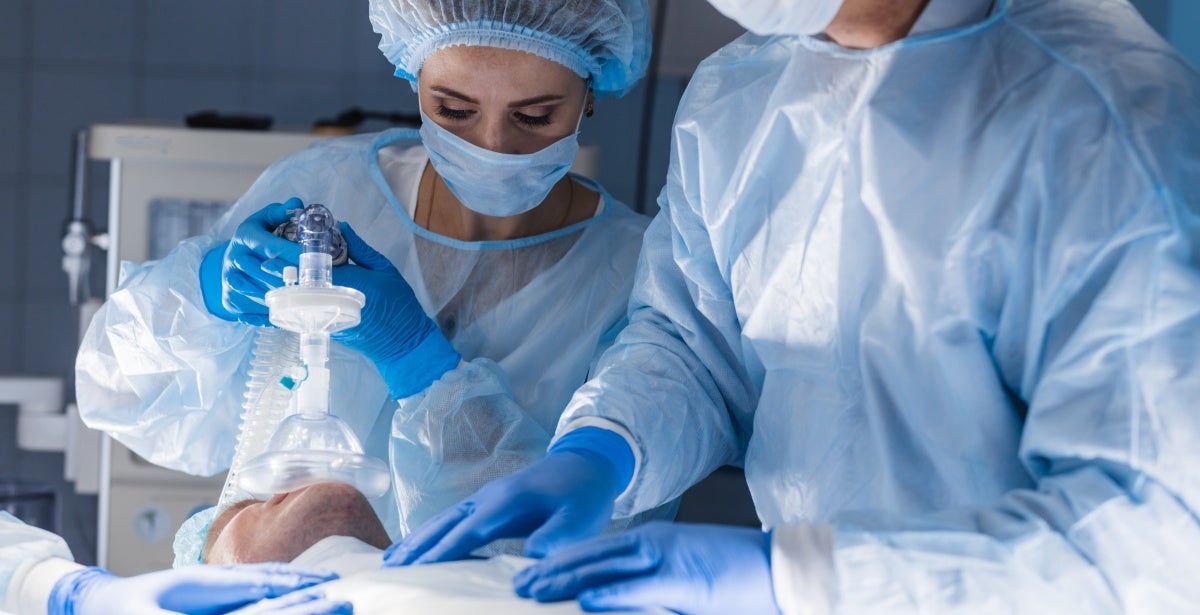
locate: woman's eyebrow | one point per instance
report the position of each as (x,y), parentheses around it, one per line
(453,94)
(537,100)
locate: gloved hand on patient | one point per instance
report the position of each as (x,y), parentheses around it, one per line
(242,539)
(687,568)
(197,590)
(565,497)
(405,344)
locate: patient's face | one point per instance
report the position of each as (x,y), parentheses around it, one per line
(282,527)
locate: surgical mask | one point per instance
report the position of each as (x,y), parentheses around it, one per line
(495,184)
(801,17)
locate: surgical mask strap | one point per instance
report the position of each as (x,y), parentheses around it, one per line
(582,112)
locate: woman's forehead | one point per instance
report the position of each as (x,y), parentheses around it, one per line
(495,69)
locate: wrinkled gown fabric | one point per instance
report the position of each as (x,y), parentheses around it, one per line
(23,545)
(943,294)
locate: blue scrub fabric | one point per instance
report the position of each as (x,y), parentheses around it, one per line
(943,295)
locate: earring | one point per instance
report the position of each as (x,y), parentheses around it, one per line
(589,111)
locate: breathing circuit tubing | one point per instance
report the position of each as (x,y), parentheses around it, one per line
(288,439)
(276,355)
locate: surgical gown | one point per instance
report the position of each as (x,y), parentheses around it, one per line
(530,316)
(942,295)
(22,547)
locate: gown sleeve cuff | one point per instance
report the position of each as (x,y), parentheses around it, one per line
(802,569)
(29,591)
(420,367)
(415,399)
(617,428)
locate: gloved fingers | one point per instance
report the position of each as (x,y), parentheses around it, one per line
(427,536)
(244,296)
(573,557)
(480,528)
(488,516)
(276,214)
(637,593)
(567,583)
(251,265)
(257,233)
(303,602)
(274,267)
(274,579)
(362,253)
(564,527)
(317,607)
(196,587)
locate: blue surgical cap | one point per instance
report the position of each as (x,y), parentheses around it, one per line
(605,41)
(189,540)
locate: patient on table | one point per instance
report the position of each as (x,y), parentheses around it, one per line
(283,527)
(332,525)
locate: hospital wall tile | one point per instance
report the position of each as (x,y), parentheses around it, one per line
(383,92)
(85,30)
(174,96)
(8,454)
(41,260)
(11,135)
(12,243)
(211,34)
(302,35)
(10,354)
(58,112)
(1155,12)
(50,339)
(1184,22)
(299,103)
(616,128)
(13,29)
(365,56)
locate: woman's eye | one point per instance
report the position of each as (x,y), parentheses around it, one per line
(453,114)
(533,120)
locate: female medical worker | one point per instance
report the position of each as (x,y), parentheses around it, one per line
(37,576)
(499,277)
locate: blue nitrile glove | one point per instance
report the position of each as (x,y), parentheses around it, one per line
(232,279)
(405,344)
(685,568)
(302,602)
(199,590)
(564,497)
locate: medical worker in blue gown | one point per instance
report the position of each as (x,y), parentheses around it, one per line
(37,576)
(494,278)
(933,277)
